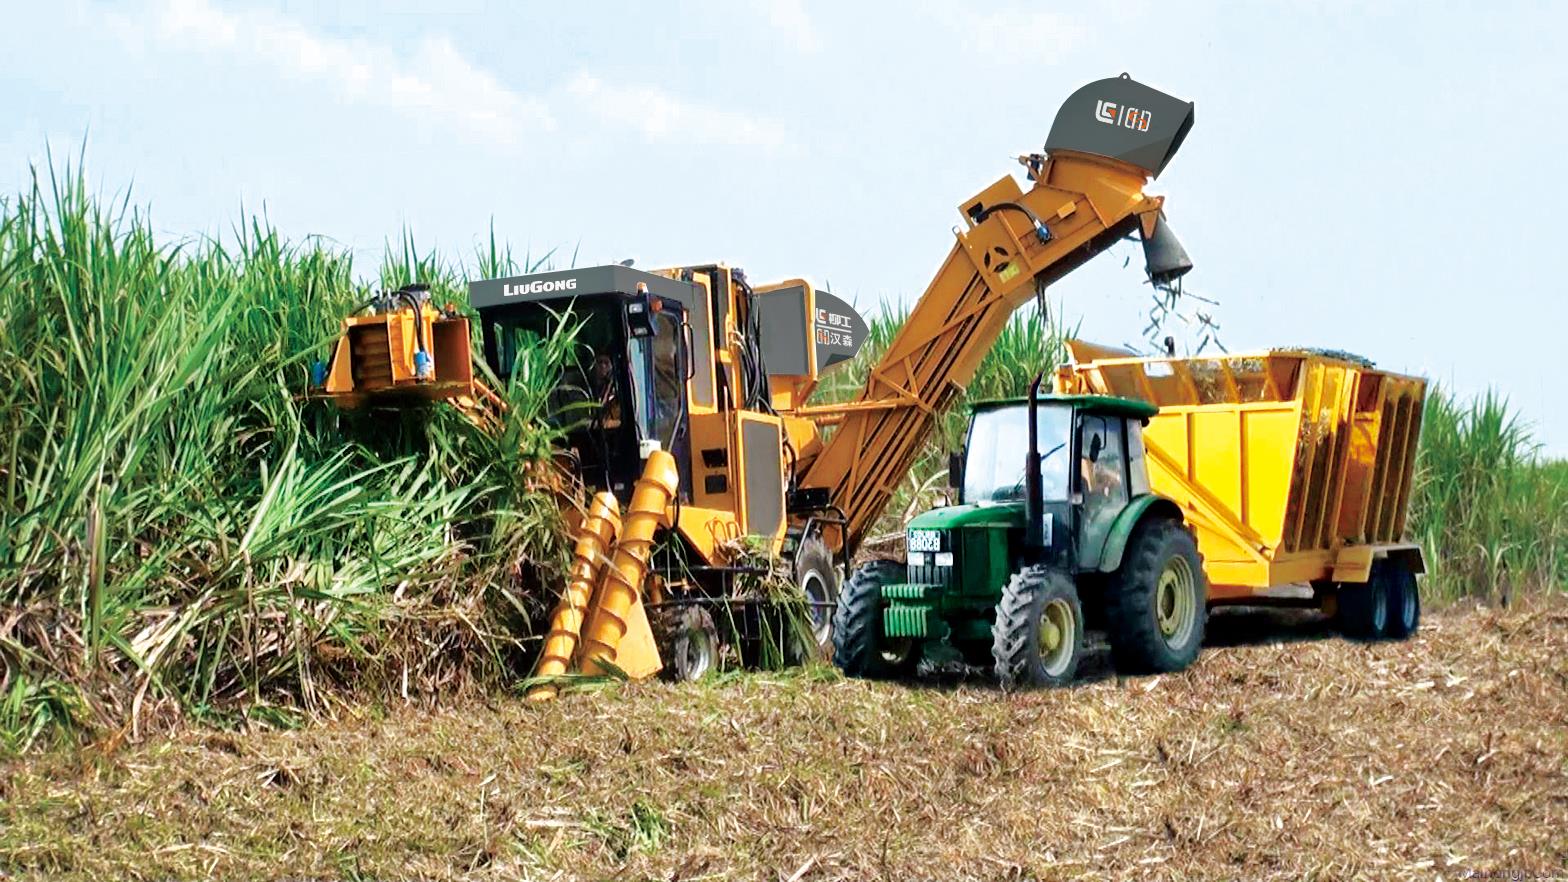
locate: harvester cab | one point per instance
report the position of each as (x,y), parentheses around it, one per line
(621,393)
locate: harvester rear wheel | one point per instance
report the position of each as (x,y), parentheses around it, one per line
(1402,595)
(688,642)
(1158,604)
(1038,636)
(859,648)
(819,589)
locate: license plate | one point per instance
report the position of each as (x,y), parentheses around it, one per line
(925,540)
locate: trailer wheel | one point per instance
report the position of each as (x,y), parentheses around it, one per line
(1403,597)
(858,645)
(1361,609)
(688,641)
(818,583)
(1158,604)
(1038,636)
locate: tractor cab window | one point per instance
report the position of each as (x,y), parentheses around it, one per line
(999,444)
(1102,469)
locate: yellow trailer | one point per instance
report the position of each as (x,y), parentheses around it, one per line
(1291,465)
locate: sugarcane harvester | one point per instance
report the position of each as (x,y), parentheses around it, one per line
(695,443)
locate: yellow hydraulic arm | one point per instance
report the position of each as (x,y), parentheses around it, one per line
(1084,195)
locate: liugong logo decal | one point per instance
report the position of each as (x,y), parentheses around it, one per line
(1113,114)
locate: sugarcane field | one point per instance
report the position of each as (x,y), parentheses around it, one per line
(483,441)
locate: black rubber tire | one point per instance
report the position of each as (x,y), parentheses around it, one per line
(857,624)
(1361,609)
(1132,620)
(815,574)
(681,633)
(1403,596)
(1015,638)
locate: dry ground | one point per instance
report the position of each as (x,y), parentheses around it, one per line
(1291,754)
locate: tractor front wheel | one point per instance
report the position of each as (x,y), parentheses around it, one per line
(859,648)
(1038,636)
(1158,605)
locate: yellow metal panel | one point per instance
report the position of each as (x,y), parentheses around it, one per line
(1271,444)
(708,529)
(1353,564)
(1216,457)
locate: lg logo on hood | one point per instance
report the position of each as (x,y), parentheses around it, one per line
(537,286)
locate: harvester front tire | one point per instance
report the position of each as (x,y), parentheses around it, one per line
(859,649)
(1158,604)
(1038,636)
(817,580)
(688,641)
(1403,596)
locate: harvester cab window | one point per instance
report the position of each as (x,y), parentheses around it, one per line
(657,378)
(998,441)
(589,387)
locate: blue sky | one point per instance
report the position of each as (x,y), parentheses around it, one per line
(1371,177)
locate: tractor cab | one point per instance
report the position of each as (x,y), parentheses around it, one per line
(619,392)
(1087,452)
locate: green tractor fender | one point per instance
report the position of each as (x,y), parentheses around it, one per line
(1142,508)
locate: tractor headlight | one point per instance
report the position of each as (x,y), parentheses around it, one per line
(917,558)
(942,559)
(925,540)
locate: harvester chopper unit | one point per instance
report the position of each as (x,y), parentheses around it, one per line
(701,449)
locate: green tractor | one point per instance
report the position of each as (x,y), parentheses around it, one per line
(1055,532)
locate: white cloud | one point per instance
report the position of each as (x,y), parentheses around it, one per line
(436,83)
(661,116)
(789,18)
(433,82)
(1010,35)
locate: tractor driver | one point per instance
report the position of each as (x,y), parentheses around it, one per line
(1100,461)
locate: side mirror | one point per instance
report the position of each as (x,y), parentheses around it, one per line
(955,470)
(1096,444)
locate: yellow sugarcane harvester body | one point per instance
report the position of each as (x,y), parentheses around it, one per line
(686,404)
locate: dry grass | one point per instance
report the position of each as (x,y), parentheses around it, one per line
(1294,754)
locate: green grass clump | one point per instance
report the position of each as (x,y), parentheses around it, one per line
(1490,512)
(179,530)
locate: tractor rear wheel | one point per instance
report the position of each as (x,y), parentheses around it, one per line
(1038,636)
(1158,603)
(859,648)
(1402,595)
